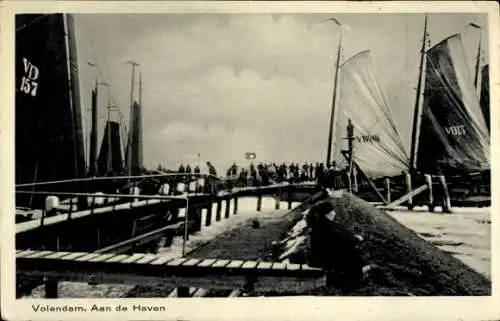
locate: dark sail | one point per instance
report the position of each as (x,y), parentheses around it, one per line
(484,99)
(93,136)
(110,161)
(453,137)
(48,124)
(135,143)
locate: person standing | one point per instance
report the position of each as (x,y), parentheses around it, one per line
(337,176)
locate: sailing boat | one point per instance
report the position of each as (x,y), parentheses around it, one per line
(49,139)
(110,161)
(452,136)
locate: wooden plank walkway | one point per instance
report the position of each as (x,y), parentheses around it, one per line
(148,269)
(33,224)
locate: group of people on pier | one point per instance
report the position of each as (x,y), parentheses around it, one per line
(264,174)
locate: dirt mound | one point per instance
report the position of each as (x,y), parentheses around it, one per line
(408,265)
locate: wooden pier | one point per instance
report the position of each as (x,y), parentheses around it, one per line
(149,269)
(140,224)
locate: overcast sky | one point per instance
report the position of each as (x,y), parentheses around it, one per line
(223,85)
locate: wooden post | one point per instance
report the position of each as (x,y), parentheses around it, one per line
(277,199)
(134,227)
(98,236)
(93,205)
(355,176)
(289,195)
(175,215)
(388,189)
(446,200)
(70,207)
(183,292)
(249,286)
(235,209)
(228,207)
(51,287)
(195,215)
(259,200)
(42,219)
(428,180)
(208,220)
(218,211)
(408,190)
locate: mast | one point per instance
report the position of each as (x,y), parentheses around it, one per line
(332,116)
(418,109)
(139,123)
(478,60)
(74,88)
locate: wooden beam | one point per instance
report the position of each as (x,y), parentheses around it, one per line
(142,270)
(406,197)
(51,287)
(208,217)
(447,199)
(369,180)
(183,292)
(428,181)
(388,189)
(235,293)
(228,207)
(199,293)
(218,210)
(141,239)
(409,188)
(235,207)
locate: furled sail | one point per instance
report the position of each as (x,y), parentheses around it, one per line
(49,141)
(93,135)
(135,140)
(378,149)
(453,136)
(110,161)
(484,100)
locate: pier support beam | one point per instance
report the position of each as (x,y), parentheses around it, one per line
(218,210)
(195,215)
(235,208)
(182,292)
(259,201)
(228,207)
(428,181)
(289,196)
(446,195)
(51,287)
(208,219)
(388,190)
(408,190)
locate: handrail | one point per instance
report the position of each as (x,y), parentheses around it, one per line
(110,195)
(105,178)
